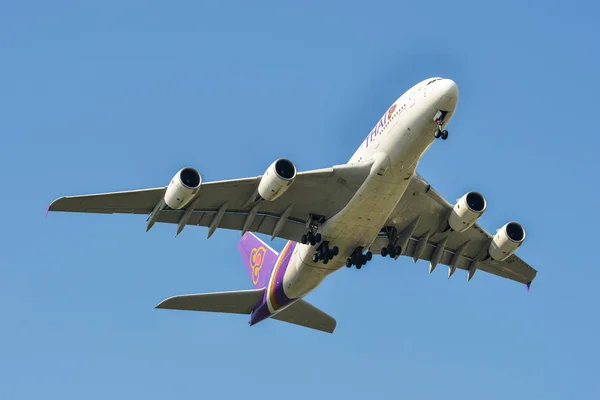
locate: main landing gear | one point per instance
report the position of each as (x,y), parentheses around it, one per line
(311,238)
(324,253)
(358,258)
(312,225)
(439,120)
(391,249)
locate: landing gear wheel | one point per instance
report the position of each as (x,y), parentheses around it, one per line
(390,250)
(397,251)
(324,253)
(384,251)
(358,259)
(437,133)
(311,238)
(444,134)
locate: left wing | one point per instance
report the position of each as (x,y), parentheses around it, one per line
(234,302)
(419,220)
(231,204)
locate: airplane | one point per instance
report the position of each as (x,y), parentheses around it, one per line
(376,203)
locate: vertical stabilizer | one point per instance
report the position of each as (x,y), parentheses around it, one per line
(258,257)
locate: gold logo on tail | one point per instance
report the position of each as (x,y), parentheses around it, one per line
(257,258)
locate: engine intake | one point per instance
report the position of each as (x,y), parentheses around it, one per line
(285,168)
(183,187)
(467,210)
(277,179)
(506,241)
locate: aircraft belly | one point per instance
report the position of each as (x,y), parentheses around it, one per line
(362,224)
(357,225)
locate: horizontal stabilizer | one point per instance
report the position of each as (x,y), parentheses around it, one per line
(305,314)
(236,302)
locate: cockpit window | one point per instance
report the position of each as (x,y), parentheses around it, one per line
(433,80)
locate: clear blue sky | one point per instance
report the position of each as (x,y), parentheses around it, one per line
(120,95)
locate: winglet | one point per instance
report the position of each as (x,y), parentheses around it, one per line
(528,286)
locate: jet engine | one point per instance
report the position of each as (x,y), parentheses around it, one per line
(183,188)
(467,211)
(277,179)
(506,241)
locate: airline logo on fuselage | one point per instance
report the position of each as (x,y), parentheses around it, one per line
(387,117)
(257,258)
(390,113)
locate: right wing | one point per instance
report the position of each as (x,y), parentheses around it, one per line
(321,192)
(305,314)
(418,218)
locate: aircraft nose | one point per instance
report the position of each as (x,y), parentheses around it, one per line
(449,88)
(447,94)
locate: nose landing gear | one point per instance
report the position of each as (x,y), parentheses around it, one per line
(439,133)
(358,259)
(439,120)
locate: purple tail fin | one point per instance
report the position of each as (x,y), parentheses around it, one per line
(259,259)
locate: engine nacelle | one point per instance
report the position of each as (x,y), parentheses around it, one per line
(506,241)
(277,179)
(467,211)
(184,185)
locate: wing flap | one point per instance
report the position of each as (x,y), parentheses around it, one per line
(263,223)
(305,314)
(234,302)
(514,269)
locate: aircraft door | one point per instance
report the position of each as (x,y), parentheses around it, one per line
(411,98)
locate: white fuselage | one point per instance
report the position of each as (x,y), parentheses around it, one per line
(394,146)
